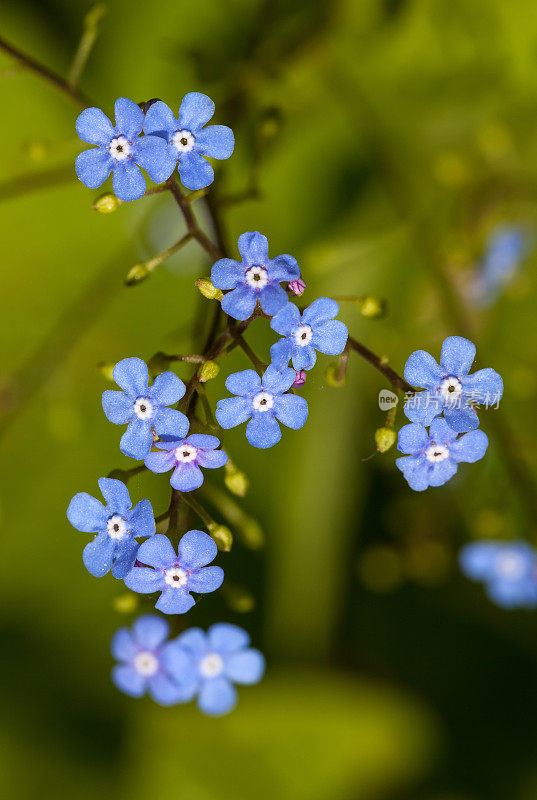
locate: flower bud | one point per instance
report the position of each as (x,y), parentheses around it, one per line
(332,377)
(106,368)
(208,290)
(371,306)
(235,480)
(208,370)
(238,598)
(222,536)
(106,203)
(137,274)
(384,439)
(300,378)
(125,603)
(297,287)
(251,534)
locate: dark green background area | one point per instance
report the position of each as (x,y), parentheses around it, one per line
(403,132)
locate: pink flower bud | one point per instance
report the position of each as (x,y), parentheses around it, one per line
(297,287)
(300,379)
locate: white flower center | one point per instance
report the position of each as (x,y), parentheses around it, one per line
(263,401)
(143,408)
(437,452)
(451,389)
(183,141)
(303,335)
(176,577)
(257,277)
(116,527)
(146,663)
(211,665)
(186,453)
(120,148)
(510,565)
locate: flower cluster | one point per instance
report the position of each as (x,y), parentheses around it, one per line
(121,149)
(431,458)
(508,570)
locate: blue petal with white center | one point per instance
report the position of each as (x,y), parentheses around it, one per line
(507,569)
(185,457)
(117,526)
(315,329)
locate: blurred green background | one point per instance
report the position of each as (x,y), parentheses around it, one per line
(384,140)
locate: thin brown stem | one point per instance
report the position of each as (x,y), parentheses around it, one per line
(191,223)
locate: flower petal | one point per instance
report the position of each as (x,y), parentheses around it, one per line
(196,549)
(203,441)
(98,555)
(240,302)
(164,690)
(291,410)
(117,406)
(163,461)
(441,432)
(150,631)
(321,310)
(470,447)
(304,357)
(217,696)
(116,495)
(142,520)
(93,167)
(157,552)
(174,601)
(484,386)
(272,298)
(286,320)
(477,560)
(415,472)
(277,381)
(330,337)
(94,127)
(137,440)
(122,645)
(423,407)
(212,459)
(225,638)
(263,431)
(128,181)
(232,411)
(178,662)
(186,477)
(131,374)
(216,141)
(153,154)
(159,120)
(280,353)
(253,247)
(512,595)
(457,356)
(245,667)
(170,423)
(283,268)
(144,580)
(207,579)
(195,172)
(129,117)
(243,383)
(227,273)
(196,110)
(412,439)
(422,370)
(86,513)
(125,556)
(461,419)
(194,641)
(442,472)
(128,680)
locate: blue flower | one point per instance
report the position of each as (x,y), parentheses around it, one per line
(262,401)
(185,457)
(187,138)
(176,575)
(218,659)
(449,387)
(256,277)
(508,570)
(315,330)
(144,407)
(120,150)
(117,525)
(433,457)
(506,248)
(148,663)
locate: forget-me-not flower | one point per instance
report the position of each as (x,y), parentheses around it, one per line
(218,659)
(185,457)
(120,150)
(262,401)
(117,525)
(149,663)
(508,570)
(432,458)
(256,277)
(176,575)
(144,407)
(188,140)
(449,387)
(506,248)
(315,330)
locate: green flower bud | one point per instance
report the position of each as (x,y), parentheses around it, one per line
(251,533)
(222,536)
(371,307)
(208,370)
(106,368)
(137,274)
(208,290)
(125,603)
(332,378)
(235,480)
(106,203)
(384,439)
(238,598)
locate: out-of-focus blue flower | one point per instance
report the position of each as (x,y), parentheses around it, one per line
(256,277)
(449,387)
(176,575)
(120,150)
(185,457)
(508,570)
(144,407)
(432,458)
(145,658)
(315,330)
(506,248)
(187,138)
(263,402)
(117,525)
(218,659)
